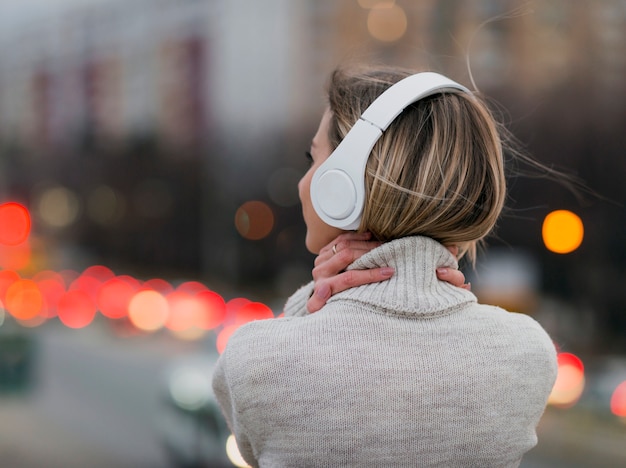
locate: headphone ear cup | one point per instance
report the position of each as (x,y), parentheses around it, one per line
(335,193)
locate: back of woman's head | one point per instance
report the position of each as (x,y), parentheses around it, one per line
(437,170)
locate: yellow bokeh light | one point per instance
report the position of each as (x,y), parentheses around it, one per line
(148,310)
(569,386)
(233,453)
(387,23)
(58,207)
(562,231)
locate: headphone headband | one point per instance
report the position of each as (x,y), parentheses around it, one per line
(338,185)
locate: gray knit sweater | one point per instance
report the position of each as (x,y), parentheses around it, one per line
(410,372)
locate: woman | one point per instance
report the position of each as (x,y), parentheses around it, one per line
(410,371)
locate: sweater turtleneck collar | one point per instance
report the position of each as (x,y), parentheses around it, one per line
(413,290)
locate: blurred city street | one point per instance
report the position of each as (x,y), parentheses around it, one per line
(98,401)
(94,402)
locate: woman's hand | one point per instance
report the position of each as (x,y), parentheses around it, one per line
(330,275)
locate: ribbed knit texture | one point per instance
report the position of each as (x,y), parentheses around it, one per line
(410,372)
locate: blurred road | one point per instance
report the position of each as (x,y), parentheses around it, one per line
(97,403)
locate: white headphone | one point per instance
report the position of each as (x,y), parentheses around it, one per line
(338,185)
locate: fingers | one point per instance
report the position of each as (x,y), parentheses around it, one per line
(346,280)
(357,243)
(454,277)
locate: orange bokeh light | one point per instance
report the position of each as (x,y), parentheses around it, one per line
(75,309)
(562,231)
(254,220)
(148,310)
(115,295)
(14,223)
(24,299)
(570,381)
(618,400)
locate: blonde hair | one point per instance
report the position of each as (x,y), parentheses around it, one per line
(438,169)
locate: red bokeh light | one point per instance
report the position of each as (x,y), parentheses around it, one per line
(618,400)
(186,311)
(232,309)
(569,359)
(253,311)
(115,295)
(159,285)
(14,223)
(90,285)
(214,309)
(99,272)
(75,309)
(52,287)
(192,287)
(570,381)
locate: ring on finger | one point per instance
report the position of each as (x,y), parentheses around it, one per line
(334,249)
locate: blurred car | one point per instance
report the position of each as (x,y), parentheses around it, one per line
(17,359)
(191,426)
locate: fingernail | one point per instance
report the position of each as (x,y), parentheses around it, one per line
(323,292)
(442,271)
(386,272)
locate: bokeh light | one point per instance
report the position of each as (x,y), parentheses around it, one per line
(253,311)
(105,205)
(562,231)
(240,311)
(387,22)
(148,310)
(214,309)
(52,286)
(114,297)
(570,381)
(58,207)
(254,220)
(233,453)
(618,400)
(75,309)
(15,223)
(24,299)
(186,315)
(159,285)
(88,284)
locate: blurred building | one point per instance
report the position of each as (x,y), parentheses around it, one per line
(167,116)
